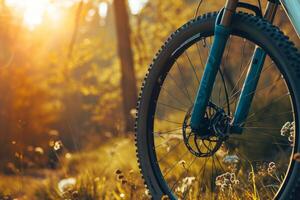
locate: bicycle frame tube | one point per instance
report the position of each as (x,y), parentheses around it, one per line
(222,33)
(292,8)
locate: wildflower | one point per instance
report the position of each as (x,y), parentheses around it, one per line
(122,195)
(182,162)
(58,145)
(288,130)
(233,163)
(186,184)
(226,181)
(231,159)
(39,150)
(66,184)
(262,171)
(271,168)
(68,155)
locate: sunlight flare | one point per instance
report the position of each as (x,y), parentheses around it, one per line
(136,5)
(102,9)
(34,11)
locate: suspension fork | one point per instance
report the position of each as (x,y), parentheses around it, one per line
(252,78)
(222,32)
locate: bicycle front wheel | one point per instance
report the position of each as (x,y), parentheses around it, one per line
(255,165)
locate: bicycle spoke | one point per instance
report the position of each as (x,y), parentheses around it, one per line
(177,85)
(175,163)
(172,107)
(170,150)
(262,128)
(169,94)
(184,174)
(193,67)
(184,82)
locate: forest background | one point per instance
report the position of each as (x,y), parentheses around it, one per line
(70,72)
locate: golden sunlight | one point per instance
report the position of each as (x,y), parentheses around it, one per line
(34,11)
(136,5)
(102,9)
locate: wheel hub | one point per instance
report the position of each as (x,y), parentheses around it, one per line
(216,127)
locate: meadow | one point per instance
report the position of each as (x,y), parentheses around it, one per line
(68,91)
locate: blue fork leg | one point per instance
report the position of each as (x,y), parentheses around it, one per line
(211,69)
(248,91)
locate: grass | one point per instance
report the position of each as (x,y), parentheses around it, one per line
(107,172)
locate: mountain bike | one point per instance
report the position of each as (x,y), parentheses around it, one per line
(218,112)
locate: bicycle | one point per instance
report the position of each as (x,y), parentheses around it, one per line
(218,112)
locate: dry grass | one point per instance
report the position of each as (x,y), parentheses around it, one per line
(108,172)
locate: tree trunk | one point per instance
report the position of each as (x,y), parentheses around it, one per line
(128,80)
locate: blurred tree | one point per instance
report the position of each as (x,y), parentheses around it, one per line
(128,81)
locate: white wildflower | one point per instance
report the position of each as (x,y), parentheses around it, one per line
(66,184)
